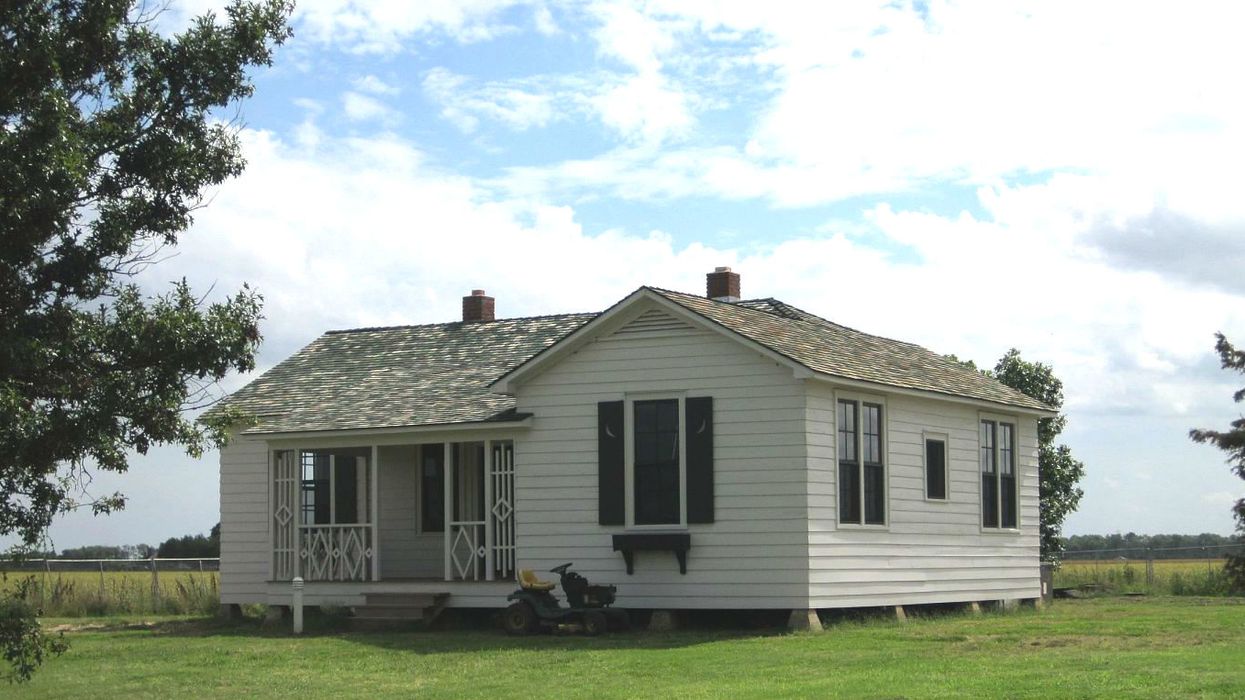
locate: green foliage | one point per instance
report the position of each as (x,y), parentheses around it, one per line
(1059,471)
(109,135)
(1231,441)
(1134,546)
(107,551)
(22,640)
(188,546)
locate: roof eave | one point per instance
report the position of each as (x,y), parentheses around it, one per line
(522,421)
(937,395)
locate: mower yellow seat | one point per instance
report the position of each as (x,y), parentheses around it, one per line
(529,582)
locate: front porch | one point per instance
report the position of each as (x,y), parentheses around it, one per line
(408,515)
(463,594)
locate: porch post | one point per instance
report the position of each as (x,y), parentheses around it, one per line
(374,511)
(272,514)
(488,510)
(449,509)
(298,512)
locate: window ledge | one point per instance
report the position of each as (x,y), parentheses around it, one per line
(857,526)
(630,543)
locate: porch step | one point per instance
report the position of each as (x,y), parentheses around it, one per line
(394,609)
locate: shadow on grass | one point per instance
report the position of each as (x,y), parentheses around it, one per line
(460,631)
(457,631)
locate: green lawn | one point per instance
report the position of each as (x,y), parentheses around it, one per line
(1117,647)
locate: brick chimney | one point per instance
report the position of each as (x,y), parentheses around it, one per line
(477,307)
(722,284)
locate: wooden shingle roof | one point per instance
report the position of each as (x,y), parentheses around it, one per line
(402,376)
(441,374)
(828,348)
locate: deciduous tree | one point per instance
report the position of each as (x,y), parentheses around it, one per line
(1059,472)
(110,134)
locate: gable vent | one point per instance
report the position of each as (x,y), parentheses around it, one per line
(654,321)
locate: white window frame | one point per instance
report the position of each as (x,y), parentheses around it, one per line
(629,457)
(860,400)
(362,498)
(945,439)
(1014,422)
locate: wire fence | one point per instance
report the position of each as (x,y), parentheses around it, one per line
(1183,570)
(73,587)
(1209,551)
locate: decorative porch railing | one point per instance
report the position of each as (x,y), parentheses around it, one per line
(467,549)
(336,552)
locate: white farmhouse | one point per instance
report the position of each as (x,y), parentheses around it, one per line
(698,452)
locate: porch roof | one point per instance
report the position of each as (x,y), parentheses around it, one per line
(436,374)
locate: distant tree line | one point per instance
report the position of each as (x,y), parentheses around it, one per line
(184,547)
(1134,546)
(190,546)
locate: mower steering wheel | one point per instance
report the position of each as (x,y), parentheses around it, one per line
(561,570)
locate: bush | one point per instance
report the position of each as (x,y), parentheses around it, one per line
(22,640)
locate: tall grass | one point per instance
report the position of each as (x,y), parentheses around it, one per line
(1193,577)
(82,593)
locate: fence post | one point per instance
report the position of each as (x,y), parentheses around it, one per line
(101,581)
(1150,567)
(43,587)
(155,585)
(200,566)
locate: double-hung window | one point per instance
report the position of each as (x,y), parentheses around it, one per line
(334,487)
(657,495)
(998,474)
(862,474)
(655,461)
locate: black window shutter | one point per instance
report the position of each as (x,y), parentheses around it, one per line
(611,472)
(699,459)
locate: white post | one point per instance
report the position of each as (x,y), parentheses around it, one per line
(374,511)
(448,507)
(298,605)
(297,505)
(273,456)
(488,510)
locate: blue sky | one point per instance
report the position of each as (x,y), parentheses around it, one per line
(1058,177)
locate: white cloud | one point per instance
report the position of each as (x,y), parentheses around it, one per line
(517,105)
(382,26)
(376,86)
(645,107)
(363,108)
(543,19)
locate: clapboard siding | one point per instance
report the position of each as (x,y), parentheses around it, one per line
(929,551)
(404,551)
(245,548)
(755,551)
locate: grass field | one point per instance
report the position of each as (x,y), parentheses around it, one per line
(1110,646)
(75,593)
(1170,576)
